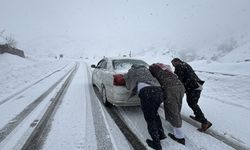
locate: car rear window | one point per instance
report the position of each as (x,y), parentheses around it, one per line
(125,64)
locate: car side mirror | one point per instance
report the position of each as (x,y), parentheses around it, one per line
(93,66)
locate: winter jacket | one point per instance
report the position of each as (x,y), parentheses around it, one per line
(173,91)
(187,76)
(136,74)
(164,76)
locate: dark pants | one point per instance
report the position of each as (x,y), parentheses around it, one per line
(192,100)
(151,97)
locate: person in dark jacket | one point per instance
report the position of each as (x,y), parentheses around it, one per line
(140,81)
(193,85)
(173,91)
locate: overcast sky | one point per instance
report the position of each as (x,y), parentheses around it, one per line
(91,26)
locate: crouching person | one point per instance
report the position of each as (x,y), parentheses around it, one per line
(140,81)
(173,91)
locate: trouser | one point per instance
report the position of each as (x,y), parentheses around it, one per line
(151,98)
(172,105)
(192,100)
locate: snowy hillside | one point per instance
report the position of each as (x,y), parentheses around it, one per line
(17,73)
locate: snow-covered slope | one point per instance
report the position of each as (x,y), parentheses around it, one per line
(17,73)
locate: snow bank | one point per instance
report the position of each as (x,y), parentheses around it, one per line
(17,72)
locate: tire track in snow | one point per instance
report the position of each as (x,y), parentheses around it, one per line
(120,122)
(225,74)
(129,134)
(8,128)
(114,114)
(102,134)
(136,123)
(79,132)
(235,143)
(37,137)
(234,77)
(29,86)
(225,102)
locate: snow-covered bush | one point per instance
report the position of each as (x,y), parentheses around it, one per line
(7,39)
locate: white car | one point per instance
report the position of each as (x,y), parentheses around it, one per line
(108,78)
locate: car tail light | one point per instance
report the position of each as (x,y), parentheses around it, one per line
(118,80)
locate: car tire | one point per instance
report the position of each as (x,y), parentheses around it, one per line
(104,97)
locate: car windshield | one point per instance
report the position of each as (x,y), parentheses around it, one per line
(125,64)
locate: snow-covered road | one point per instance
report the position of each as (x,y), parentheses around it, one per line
(134,119)
(80,121)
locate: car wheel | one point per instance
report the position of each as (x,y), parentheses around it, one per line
(104,97)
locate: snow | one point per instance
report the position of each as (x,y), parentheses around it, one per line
(72,119)
(18,73)
(224,100)
(229,97)
(195,140)
(212,36)
(21,133)
(75,123)
(15,105)
(224,68)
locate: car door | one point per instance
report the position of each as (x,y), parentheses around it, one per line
(102,74)
(96,74)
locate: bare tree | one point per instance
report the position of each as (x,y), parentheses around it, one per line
(1,33)
(9,39)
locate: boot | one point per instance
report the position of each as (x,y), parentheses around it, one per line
(181,141)
(195,118)
(153,144)
(205,126)
(162,136)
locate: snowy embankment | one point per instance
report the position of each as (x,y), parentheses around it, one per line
(17,73)
(225,102)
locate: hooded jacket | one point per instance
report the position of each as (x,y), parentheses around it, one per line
(187,76)
(137,74)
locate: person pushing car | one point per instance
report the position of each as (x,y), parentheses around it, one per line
(140,81)
(193,85)
(173,91)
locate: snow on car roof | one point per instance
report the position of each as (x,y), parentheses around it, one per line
(113,58)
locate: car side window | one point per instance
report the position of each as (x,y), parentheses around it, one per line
(99,64)
(104,64)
